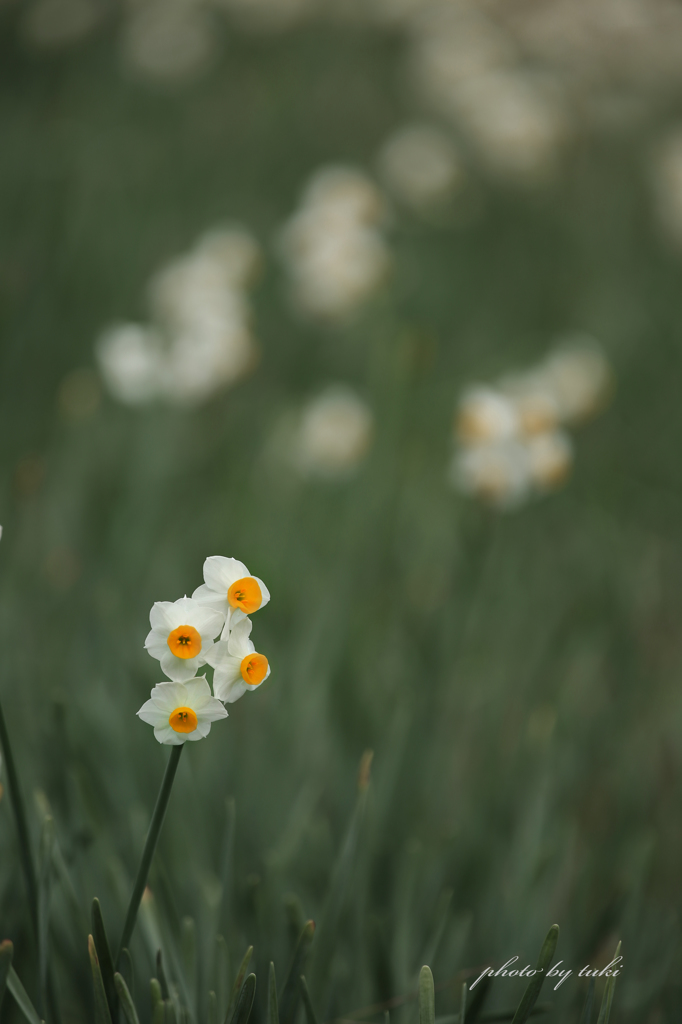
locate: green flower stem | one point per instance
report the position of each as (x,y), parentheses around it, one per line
(149,848)
(19,809)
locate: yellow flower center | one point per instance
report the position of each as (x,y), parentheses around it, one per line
(185,642)
(183,720)
(245,594)
(254,668)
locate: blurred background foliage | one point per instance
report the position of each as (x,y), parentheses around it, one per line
(516,673)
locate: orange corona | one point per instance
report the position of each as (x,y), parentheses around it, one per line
(183,720)
(254,668)
(245,594)
(185,642)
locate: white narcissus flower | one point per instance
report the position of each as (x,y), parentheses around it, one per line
(231,590)
(238,666)
(181,634)
(182,711)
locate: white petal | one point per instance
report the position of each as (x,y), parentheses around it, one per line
(219,655)
(221,572)
(198,734)
(230,692)
(164,734)
(212,711)
(265,593)
(156,644)
(204,595)
(151,714)
(206,620)
(180,669)
(197,691)
(161,617)
(239,638)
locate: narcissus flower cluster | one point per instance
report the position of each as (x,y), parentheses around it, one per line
(212,627)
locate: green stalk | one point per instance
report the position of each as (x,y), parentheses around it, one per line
(19,809)
(149,848)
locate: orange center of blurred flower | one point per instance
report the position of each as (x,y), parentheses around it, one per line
(183,720)
(245,594)
(185,642)
(254,668)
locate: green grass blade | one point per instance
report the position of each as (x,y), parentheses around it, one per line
(161,975)
(222,975)
(188,950)
(273,1012)
(463,1004)
(171,1017)
(127,971)
(21,997)
(586,1015)
(307,1004)
(125,1000)
(19,809)
(427,997)
(44,885)
(242,1010)
(106,963)
(290,993)
(6,954)
(532,992)
(238,982)
(607,998)
(102,1014)
(212,1016)
(478,1000)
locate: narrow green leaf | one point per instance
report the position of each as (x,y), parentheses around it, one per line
(161,975)
(532,992)
(19,808)
(238,982)
(6,954)
(102,1015)
(156,992)
(607,998)
(159,1013)
(463,1004)
(171,1017)
(387,1017)
(212,1017)
(188,950)
(307,1004)
(441,915)
(478,1000)
(288,1001)
(273,1012)
(427,997)
(242,1010)
(127,971)
(222,975)
(126,1000)
(104,954)
(21,997)
(296,918)
(586,1015)
(44,887)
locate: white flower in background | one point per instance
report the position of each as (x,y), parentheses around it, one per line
(486,414)
(237,665)
(182,633)
(579,376)
(230,590)
(667,182)
(332,248)
(550,457)
(509,441)
(201,340)
(497,472)
(421,165)
(334,433)
(168,40)
(130,359)
(182,711)
(50,24)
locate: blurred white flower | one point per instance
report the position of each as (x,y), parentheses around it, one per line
(421,165)
(231,590)
(534,401)
(201,341)
(333,251)
(667,182)
(182,632)
(497,471)
(238,666)
(579,376)
(550,458)
(131,361)
(182,711)
(168,40)
(486,414)
(333,434)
